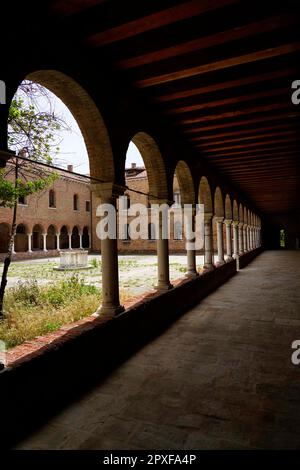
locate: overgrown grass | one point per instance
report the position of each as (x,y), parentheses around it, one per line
(32,310)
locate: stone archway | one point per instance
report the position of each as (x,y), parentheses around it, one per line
(88,118)
(85,238)
(154,164)
(185,181)
(51,240)
(64,238)
(37,237)
(21,238)
(75,237)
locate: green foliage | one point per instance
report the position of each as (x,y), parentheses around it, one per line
(10,191)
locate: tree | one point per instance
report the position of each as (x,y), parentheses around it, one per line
(33,132)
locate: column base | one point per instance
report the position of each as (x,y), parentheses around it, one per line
(163,286)
(220,263)
(192,274)
(208,267)
(109,312)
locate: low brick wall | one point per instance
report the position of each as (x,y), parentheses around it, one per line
(37,386)
(245,259)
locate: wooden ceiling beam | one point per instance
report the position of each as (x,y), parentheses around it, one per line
(156,20)
(220,38)
(247,134)
(284,116)
(219,65)
(229,101)
(264,77)
(235,114)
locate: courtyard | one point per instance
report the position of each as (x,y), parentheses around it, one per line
(138,273)
(41,299)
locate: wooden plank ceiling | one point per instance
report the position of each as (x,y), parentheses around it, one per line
(221,73)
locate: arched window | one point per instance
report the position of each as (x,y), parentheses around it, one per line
(52,202)
(75,202)
(151,232)
(177,231)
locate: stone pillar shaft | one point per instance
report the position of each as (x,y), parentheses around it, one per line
(70,241)
(80,240)
(163,276)
(228,239)
(109,255)
(191,252)
(219,222)
(208,242)
(235,239)
(44,242)
(57,242)
(241,239)
(29,242)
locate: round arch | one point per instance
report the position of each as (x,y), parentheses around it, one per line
(218,203)
(21,238)
(241,213)
(88,118)
(228,208)
(235,211)
(245,216)
(75,239)
(155,167)
(51,239)
(205,195)
(185,182)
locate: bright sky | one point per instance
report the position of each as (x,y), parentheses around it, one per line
(72,146)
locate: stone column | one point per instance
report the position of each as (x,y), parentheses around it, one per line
(13,248)
(235,228)
(228,239)
(57,242)
(220,244)
(44,242)
(108,193)
(245,237)
(80,241)
(251,238)
(191,252)
(208,242)
(248,238)
(70,241)
(29,242)
(162,256)
(241,239)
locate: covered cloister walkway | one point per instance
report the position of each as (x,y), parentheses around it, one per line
(219,377)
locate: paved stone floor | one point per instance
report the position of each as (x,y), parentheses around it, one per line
(220,377)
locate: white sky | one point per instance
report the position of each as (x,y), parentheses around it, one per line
(72,146)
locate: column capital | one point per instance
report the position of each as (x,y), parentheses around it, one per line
(218,219)
(107,190)
(235,223)
(228,221)
(241,224)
